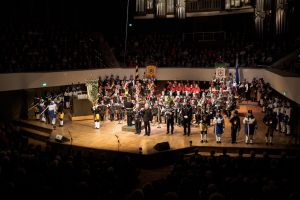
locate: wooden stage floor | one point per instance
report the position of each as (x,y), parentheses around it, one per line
(84,134)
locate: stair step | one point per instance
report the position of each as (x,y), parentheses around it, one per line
(38,135)
(36,125)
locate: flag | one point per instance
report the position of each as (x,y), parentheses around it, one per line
(237,78)
(151,71)
(136,72)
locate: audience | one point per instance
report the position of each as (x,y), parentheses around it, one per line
(226,177)
(37,48)
(27,171)
(174,50)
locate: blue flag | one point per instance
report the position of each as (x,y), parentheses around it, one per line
(237,78)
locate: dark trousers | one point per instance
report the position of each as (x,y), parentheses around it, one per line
(147,127)
(102,116)
(186,127)
(111,116)
(233,134)
(138,126)
(170,123)
(129,119)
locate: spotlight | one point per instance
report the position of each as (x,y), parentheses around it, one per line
(191,143)
(140,150)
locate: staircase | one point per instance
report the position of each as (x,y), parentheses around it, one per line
(35,129)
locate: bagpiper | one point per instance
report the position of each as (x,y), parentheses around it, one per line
(219,126)
(96,111)
(61,114)
(169,115)
(204,123)
(249,126)
(235,126)
(270,120)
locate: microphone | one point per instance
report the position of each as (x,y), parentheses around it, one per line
(117,136)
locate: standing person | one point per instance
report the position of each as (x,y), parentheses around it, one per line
(67,98)
(250,126)
(137,119)
(169,115)
(52,113)
(219,126)
(102,108)
(147,117)
(96,111)
(235,126)
(204,123)
(186,113)
(270,120)
(61,114)
(111,110)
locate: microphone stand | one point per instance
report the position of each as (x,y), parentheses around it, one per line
(118,142)
(70,138)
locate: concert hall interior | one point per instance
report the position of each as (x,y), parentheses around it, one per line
(150,99)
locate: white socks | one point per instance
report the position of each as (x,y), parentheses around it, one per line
(288,129)
(97,125)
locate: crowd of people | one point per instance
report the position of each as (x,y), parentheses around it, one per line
(34,48)
(226,177)
(37,48)
(33,171)
(179,103)
(174,50)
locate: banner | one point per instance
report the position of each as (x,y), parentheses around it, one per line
(92,90)
(220,70)
(151,71)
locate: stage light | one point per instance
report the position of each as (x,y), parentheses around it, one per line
(130,25)
(140,150)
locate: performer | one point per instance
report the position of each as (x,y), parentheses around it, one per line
(235,126)
(250,126)
(169,115)
(67,98)
(111,110)
(96,111)
(36,102)
(61,114)
(204,123)
(155,112)
(147,117)
(119,112)
(52,113)
(186,113)
(137,119)
(219,125)
(102,108)
(270,120)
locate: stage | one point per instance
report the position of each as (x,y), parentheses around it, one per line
(110,137)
